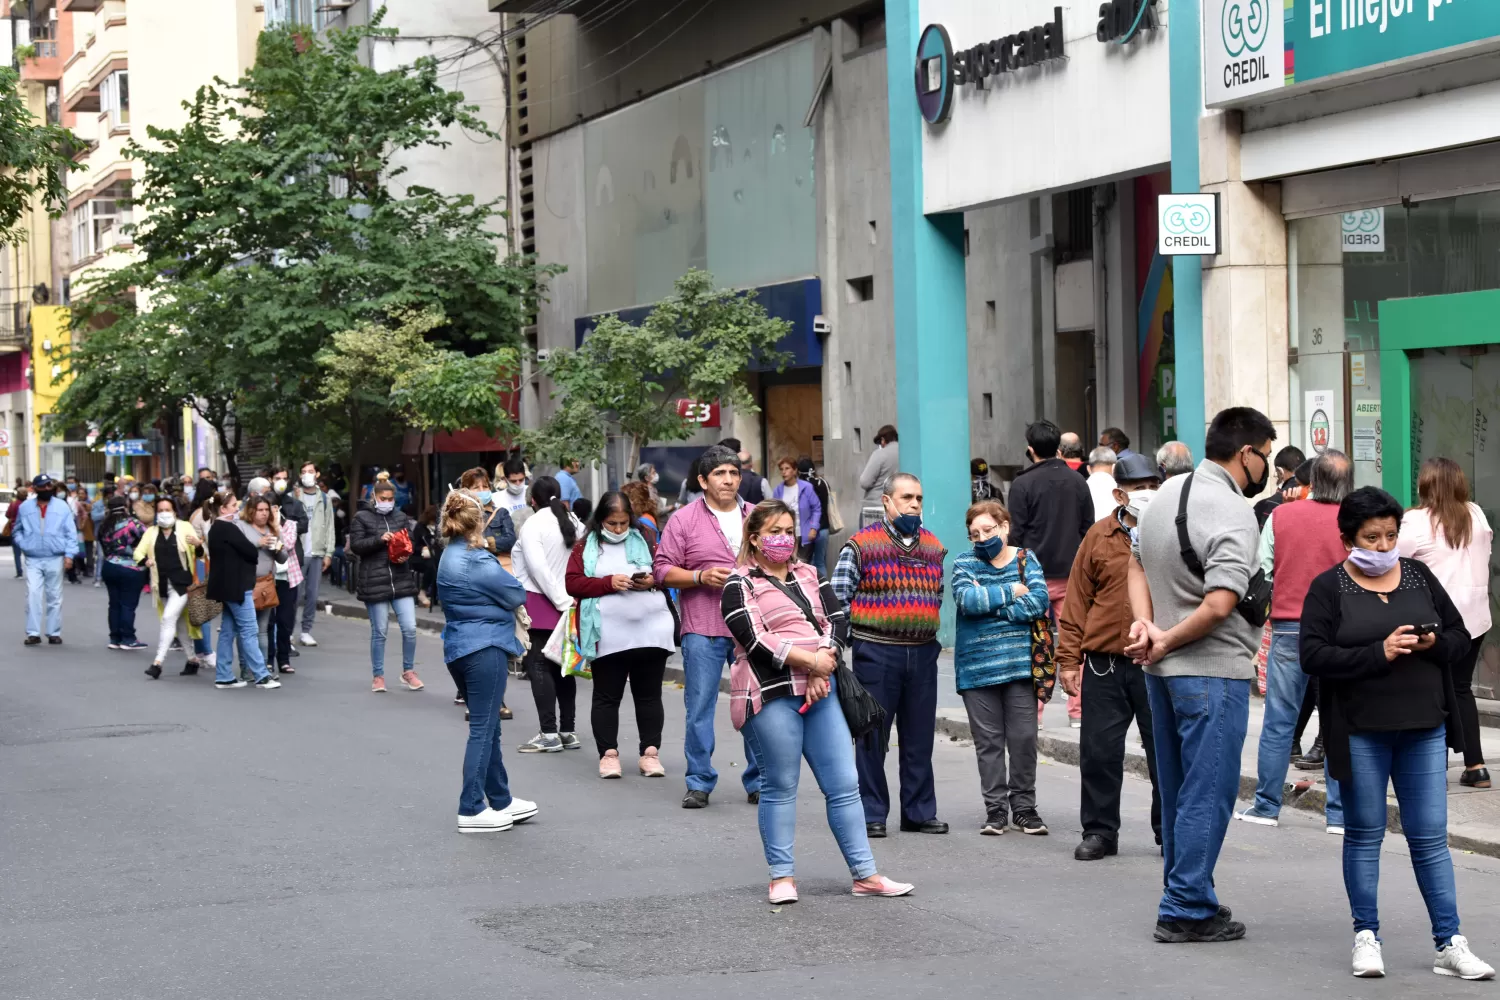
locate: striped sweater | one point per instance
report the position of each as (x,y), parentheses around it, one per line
(900,591)
(993,642)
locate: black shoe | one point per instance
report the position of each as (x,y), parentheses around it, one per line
(875,831)
(1216,928)
(1095,848)
(54,640)
(1296,749)
(753,798)
(695,799)
(153,671)
(1313,759)
(189,669)
(1477,778)
(33,640)
(1027,821)
(176,645)
(926,826)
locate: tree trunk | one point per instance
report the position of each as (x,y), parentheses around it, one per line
(354,454)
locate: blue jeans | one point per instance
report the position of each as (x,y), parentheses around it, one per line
(1199,724)
(380,619)
(781,737)
(1415,761)
(820,552)
(44,576)
(484,677)
(1286,685)
(20,561)
(703,660)
(238,621)
(903,679)
(204,645)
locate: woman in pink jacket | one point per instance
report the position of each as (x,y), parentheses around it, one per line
(1450,534)
(790,630)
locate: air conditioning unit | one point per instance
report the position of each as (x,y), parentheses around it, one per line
(332,5)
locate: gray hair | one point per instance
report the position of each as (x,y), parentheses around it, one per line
(1332,477)
(259,485)
(1070,445)
(889,489)
(1102,456)
(1174,458)
(714,457)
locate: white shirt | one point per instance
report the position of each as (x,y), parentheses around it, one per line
(1101,488)
(543,558)
(511,502)
(733,524)
(631,619)
(1464,573)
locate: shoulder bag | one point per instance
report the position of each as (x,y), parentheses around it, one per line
(1255,606)
(199,608)
(265,592)
(1043,646)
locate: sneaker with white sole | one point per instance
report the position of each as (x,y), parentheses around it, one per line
(1334,831)
(488,821)
(1457,960)
(268,683)
(519,810)
(411,681)
(1368,962)
(570,741)
(238,682)
(542,743)
(306,639)
(1259,819)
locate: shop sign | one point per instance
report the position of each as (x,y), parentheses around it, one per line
(1254,46)
(131,446)
(940,69)
(1364,232)
(702,414)
(1123,20)
(1187,224)
(1319,417)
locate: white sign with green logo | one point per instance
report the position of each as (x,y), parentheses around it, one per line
(1252,47)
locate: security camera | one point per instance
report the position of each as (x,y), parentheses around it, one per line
(821,326)
(543,354)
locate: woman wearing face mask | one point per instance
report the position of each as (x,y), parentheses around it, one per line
(170,551)
(260,523)
(1383,636)
(541,560)
(999,590)
(626,628)
(121,532)
(234,558)
(499,532)
(790,630)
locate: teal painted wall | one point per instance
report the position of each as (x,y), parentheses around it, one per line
(1185,42)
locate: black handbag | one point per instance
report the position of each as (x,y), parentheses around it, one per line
(1255,606)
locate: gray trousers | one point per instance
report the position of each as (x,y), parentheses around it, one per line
(312,575)
(1001,718)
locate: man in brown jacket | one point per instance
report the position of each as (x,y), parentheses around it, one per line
(1093,630)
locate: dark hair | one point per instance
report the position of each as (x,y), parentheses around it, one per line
(804,465)
(1289,458)
(429,514)
(1364,504)
(719,454)
(1304,473)
(116,509)
(978,467)
(733,444)
(611,502)
(1043,438)
(1234,428)
(203,491)
(639,495)
(172,504)
(515,465)
(886,435)
(545,492)
(582,508)
(763,513)
(1116,438)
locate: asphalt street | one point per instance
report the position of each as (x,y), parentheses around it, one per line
(168,840)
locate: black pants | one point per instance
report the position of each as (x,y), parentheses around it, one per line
(1114,692)
(1309,705)
(1468,712)
(283,621)
(554,694)
(644,668)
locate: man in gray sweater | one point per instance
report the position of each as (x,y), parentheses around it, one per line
(1198,652)
(883,463)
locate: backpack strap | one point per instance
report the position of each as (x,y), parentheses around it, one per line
(1189,557)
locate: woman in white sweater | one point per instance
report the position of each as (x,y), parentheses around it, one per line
(540,562)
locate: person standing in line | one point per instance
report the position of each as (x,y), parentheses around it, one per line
(233,560)
(1092,630)
(79,513)
(698,550)
(12,515)
(513,497)
(281,622)
(403,486)
(1388,700)
(567,485)
(499,532)
(540,562)
(480,600)
(643,508)
(170,552)
(386,587)
(1051,509)
(426,550)
(85,521)
(890,575)
(1174,459)
(998,593)
(96,514)
(1070,450)
(1288,460)
(1197,649)
(819,558)
(1450,535)
(260,521)
(980,487)
(1300,541)
(121,532)
(1115,440)
(802,500)
(317,545)
(1101,482)
(626,628)
(882,464)
(46,535)
(790,630)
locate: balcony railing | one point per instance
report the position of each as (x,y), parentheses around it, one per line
(15,324)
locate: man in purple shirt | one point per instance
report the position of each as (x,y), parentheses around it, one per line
(698,549)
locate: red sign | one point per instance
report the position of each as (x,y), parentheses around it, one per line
(702,414)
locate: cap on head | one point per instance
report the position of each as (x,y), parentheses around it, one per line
(41,481)
(1135,468)
(979,467)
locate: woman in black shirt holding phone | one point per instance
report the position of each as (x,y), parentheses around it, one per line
(1381,634)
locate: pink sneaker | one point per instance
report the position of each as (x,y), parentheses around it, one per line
(377,686)
(879,885)
(411,681)
(609,764)
(651,764)
(782,891)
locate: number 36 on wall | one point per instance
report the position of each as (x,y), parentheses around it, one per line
(702,414)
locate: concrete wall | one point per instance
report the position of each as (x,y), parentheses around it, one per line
(561,238)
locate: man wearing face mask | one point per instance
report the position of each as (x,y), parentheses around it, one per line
(1198,652)
(317,543)
(890,575)
(1092,630)
(512,499)
(47,535)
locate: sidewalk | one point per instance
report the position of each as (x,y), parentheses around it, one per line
(1473,814)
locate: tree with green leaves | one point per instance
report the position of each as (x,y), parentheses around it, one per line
(274,219)
(695,344)
(35,158)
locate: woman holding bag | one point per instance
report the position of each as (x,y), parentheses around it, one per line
(626,628)
(170,551)
(234,562)
(256,523)
(789,632)
(540,561)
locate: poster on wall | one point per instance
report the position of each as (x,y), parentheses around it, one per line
(1318,412)
(1364,232)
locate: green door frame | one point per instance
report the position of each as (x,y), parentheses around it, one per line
(1465,319)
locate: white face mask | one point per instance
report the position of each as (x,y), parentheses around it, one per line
(385,506)
(1139,501)
(515,489)
(309,480)
(165,519)
(279,485)
(610,536)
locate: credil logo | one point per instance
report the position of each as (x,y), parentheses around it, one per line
(1367,221)
(1186,220)
(1245,26)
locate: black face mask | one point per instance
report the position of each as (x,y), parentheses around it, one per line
(1253,488)
(43,496)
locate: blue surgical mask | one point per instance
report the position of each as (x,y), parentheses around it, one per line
(483,496)
(988,548)
(907,525)
(149,497)
(1373,563)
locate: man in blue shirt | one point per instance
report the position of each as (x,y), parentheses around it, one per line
(47,536)
(570,490)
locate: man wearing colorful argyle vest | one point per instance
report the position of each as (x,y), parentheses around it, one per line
(890,574)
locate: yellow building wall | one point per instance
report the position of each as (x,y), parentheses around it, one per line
(49,331)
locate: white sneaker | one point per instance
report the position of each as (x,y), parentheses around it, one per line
(1458,960)
(1368,963)
(306,639)
(488,821)
(267,683)
(1251,816)
(211,660)
(1334,831)
(519,810)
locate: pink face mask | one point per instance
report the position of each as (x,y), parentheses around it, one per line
(777,548)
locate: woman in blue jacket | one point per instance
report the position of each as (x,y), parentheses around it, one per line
(479,600)
(999,590)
